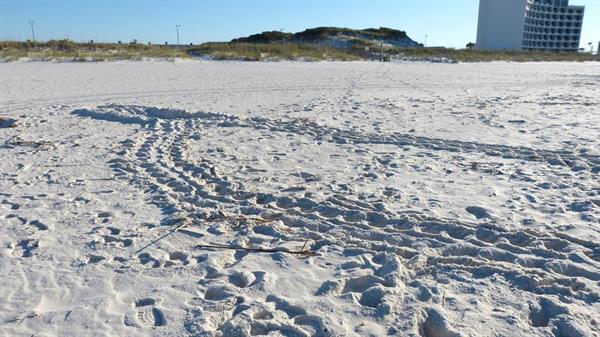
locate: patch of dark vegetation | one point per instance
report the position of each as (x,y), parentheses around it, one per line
(264,37)
(334,37)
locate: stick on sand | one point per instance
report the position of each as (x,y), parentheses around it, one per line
(260,250)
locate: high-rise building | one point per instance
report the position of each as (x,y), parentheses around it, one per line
(544,25)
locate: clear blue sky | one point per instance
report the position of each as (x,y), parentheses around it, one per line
(450,23)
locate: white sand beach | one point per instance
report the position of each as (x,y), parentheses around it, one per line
(200,198)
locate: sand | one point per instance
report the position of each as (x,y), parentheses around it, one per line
(198,198)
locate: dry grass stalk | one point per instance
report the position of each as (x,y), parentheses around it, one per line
(258,220)
(179,227)
(38,146)
(261,250)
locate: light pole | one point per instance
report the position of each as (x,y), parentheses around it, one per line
(32,32)
(177,27)
(425,43)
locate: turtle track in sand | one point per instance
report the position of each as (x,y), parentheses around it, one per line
(397,250)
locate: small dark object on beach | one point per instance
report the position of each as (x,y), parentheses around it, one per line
(7,123)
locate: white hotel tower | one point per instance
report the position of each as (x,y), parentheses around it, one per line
(546,25)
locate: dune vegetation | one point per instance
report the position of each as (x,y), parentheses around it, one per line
(263,51)
(74,51)
(66,50)
(476,55)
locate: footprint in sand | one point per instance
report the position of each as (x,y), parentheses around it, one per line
(148,260)
(27,246)
(177,258)
(39,225)
(146,314)
(478,212)
(242,279)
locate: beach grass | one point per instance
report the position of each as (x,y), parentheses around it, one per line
(66,50)
(260,52)
(476,55)
(57,50)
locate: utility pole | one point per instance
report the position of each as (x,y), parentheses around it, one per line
(425,43)
(177,27)
(32,32)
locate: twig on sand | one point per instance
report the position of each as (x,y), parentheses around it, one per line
(259,220)
(240,218)
(223,216)
(184,224)
(304,245)
(261,250)
(17,141)
(20,317)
